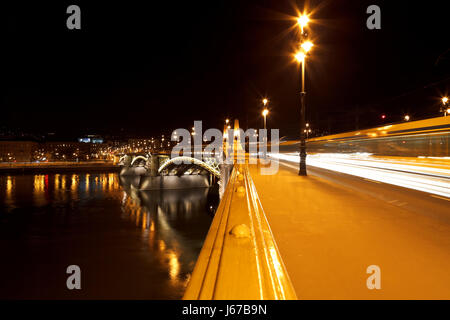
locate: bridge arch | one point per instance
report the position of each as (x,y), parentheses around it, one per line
(189,161)
(135,159)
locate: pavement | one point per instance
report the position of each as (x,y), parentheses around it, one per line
(331,226)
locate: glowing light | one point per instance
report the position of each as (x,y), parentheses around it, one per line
(407,118)
(306,46)
(227,121)
(444,100)
(303,21)
(174,265)
(265,101)
(300,56)
(9,187)
(265,112)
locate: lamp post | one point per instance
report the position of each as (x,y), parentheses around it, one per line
(307,130)
(265,111)
(445,106)
(300,56)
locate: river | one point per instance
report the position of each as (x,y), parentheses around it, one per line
(129,244)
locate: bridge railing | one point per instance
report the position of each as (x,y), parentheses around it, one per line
(239,258)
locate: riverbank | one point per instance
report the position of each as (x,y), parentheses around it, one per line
(54,167)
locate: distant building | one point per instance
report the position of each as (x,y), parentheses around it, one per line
(91,138)
(18,151)
(66,151)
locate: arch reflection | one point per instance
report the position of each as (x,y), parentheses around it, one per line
(174,224)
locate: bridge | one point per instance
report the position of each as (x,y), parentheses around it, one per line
(158,171)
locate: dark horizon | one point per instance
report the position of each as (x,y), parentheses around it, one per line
(144,69)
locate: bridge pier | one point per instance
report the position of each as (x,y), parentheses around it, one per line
(174,182)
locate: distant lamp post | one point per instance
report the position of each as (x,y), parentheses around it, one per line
(307,130)
(265,113)
(407,117)
(444,107)
(302,21)
(307,45)
(227,121)
(300,56)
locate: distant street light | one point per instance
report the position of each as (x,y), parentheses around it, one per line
(445,108)
(300,56)
(265,112)
(307,130)
(227,121)
(302,21)
(407,118)
(307,45)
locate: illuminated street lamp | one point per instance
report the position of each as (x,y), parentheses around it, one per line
(265,113)
(227,121)
(300,56)
(407,117)
(302,21)
(445,108)
(307,130)
(307,45)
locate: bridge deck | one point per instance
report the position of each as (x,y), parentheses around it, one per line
(330,227)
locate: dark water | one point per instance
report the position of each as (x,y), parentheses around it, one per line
(129,244)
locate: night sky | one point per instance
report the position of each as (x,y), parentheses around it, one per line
(146,67)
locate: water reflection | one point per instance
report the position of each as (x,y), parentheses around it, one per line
(107,224)
(167,218)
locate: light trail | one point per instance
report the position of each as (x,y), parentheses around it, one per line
(426,177)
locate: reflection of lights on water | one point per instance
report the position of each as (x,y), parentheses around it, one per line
(174,265)
(111,180)
(87,182)
(56,182)
(162,245)
(39,189)
(39,184)
(74,183)
(63,182)
(144,221)
(138,215)
(9,187)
